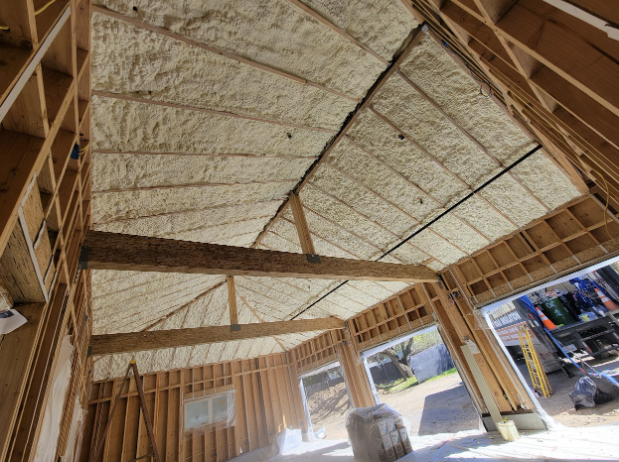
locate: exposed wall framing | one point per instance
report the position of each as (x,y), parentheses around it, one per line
(44,211)
(572,237)
(267,401)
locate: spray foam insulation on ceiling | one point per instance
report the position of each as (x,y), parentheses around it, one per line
(134,300)
(241,169)
(373,190)
(127,126)
(127,171)
(358,18)
(135,62)
(281,35)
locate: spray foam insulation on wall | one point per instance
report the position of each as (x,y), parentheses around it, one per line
(205,171)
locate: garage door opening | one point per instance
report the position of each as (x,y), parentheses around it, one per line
(326,400)
(416,376)
(573,332)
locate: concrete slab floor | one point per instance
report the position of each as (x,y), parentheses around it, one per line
(565,444)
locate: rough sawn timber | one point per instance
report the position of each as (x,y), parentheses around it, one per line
(110,251)
(153,340)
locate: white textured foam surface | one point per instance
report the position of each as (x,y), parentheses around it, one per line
(123,126)
(133,61)
(272,32)
(374,190)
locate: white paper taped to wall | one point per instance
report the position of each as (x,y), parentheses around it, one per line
(50,430)
(10,320)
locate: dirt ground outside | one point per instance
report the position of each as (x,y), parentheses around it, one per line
(328,409)
(560,406)
(441,405)
(437,406)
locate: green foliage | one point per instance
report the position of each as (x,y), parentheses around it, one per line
(409,382)
(451,371)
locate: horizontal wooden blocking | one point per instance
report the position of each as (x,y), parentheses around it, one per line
(111,251)
(153,340)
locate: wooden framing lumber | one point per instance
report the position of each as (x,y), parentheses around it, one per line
(413,40)
(153,340)
(234,317)
(138,253)
(45,202)
(301,224)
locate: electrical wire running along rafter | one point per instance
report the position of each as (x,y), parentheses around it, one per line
(431,222)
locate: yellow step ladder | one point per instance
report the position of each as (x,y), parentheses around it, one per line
(539,379)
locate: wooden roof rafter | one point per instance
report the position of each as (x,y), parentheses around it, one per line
(410,44)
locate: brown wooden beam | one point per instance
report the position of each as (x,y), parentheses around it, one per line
(234,316)
(138,253)
(154,340)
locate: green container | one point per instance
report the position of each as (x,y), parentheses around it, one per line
(556,312)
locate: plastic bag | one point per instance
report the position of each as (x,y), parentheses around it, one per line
(587,394)
(288,439)
(378,433)
(584,393)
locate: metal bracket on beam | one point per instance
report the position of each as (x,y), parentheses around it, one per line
(313,258)
(84,256)
(234,327)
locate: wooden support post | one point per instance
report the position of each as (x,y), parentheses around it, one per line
(481,383)
(149,426)
(301,224)
(234,317)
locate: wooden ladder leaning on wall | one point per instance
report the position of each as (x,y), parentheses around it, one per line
(149,426)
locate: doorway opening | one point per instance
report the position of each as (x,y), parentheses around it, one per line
(573,327)
(326,400)
(416,376)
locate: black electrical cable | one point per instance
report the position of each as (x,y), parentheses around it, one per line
(430,223)
(464,199)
